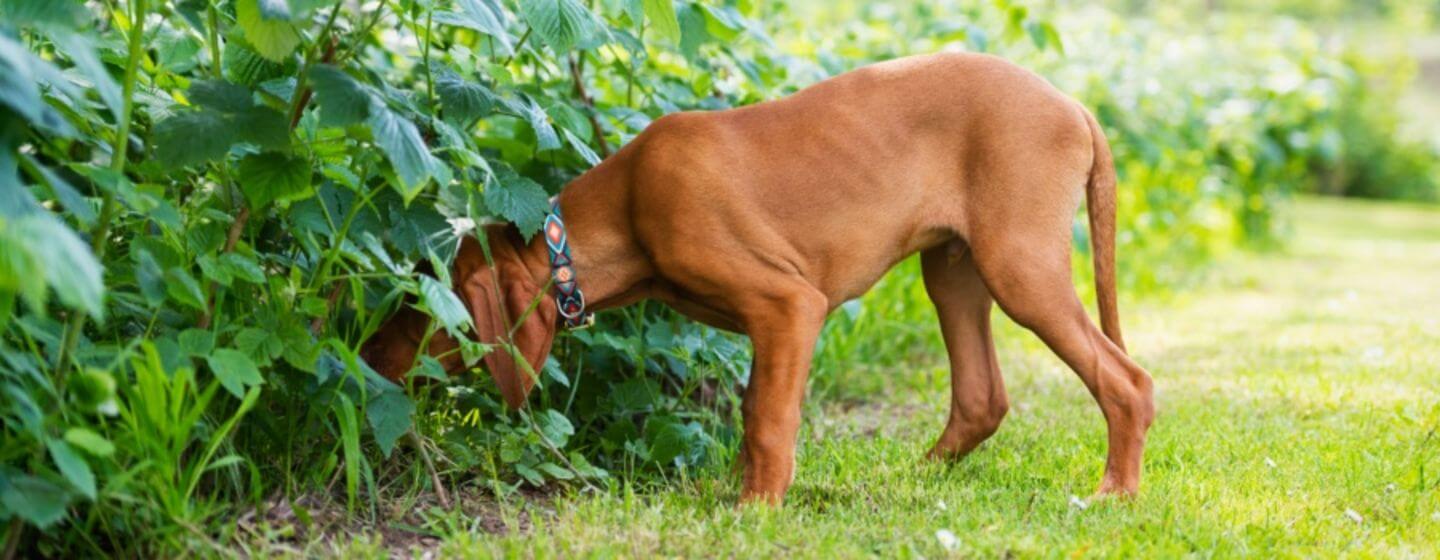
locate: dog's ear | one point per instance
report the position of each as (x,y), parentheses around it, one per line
(520,337)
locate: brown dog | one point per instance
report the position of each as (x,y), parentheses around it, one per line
(762,219)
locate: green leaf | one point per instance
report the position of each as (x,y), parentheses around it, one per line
(343,101)
(485,16)
(184,289)
(235,371)
(221,96)
(464,101)
(90,442)
(389,415)
(694,31)
(243,268)
(70,268)
(52,14)
(80,48)
(517,199)
(444,304)
(193,137)
(264,127)
(73,466)
(274,177)
(663,22)
(34,499)
(408,155)
(562,24)
(556,428)
(274,39)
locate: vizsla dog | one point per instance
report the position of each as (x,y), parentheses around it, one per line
(763,219)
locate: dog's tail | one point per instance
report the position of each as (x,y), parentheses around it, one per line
(1100,205)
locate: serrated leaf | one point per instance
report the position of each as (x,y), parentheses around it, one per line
(464,101)
(70,268)
(274,39)
(663,22)
(34,499)
(89,442)
(274,177)
(408,155)
(235,371)
(485,16)
(193,137)
(519,200)
(343,101)
(74,467)
(221,96)
(389,415)
(443,304)
(561,24)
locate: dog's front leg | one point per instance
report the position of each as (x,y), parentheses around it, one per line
(783,331)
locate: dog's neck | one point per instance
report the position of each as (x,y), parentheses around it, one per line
(608,263)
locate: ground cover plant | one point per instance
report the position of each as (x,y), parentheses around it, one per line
(207,205)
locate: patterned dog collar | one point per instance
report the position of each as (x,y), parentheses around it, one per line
(562,270)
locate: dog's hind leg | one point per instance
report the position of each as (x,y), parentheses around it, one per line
(977,392)
(1025,261)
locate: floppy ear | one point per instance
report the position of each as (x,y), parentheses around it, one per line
(498,308)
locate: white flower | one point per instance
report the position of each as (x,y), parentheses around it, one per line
(1078,503)
(942,506)
(1354,516)
(947,539)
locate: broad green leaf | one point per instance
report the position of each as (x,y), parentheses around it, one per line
(519,200)
(264,127)
(343,101)
(235,371)
(556,428)
(70,268)
(89,442)
(193,137)
(401,142)
(389,415)
(693,31)
(464,101)
(444,304)
(184,289)
(74,467)
(50,14)
(273,177)
(274,39)
(221,96)
(669,440)
(562,24)
(485,16)
(663,22)
(34,499)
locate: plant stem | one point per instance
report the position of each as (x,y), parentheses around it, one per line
(108,206)
(213,30)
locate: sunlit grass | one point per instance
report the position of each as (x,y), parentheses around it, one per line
(1298,399)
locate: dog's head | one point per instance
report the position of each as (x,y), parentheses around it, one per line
(498,299)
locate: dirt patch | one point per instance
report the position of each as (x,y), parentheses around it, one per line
(402,527)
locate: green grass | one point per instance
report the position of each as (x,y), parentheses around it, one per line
(1299,396)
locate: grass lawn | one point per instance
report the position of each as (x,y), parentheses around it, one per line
(1298,394)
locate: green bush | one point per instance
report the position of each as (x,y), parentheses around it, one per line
(205,207)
